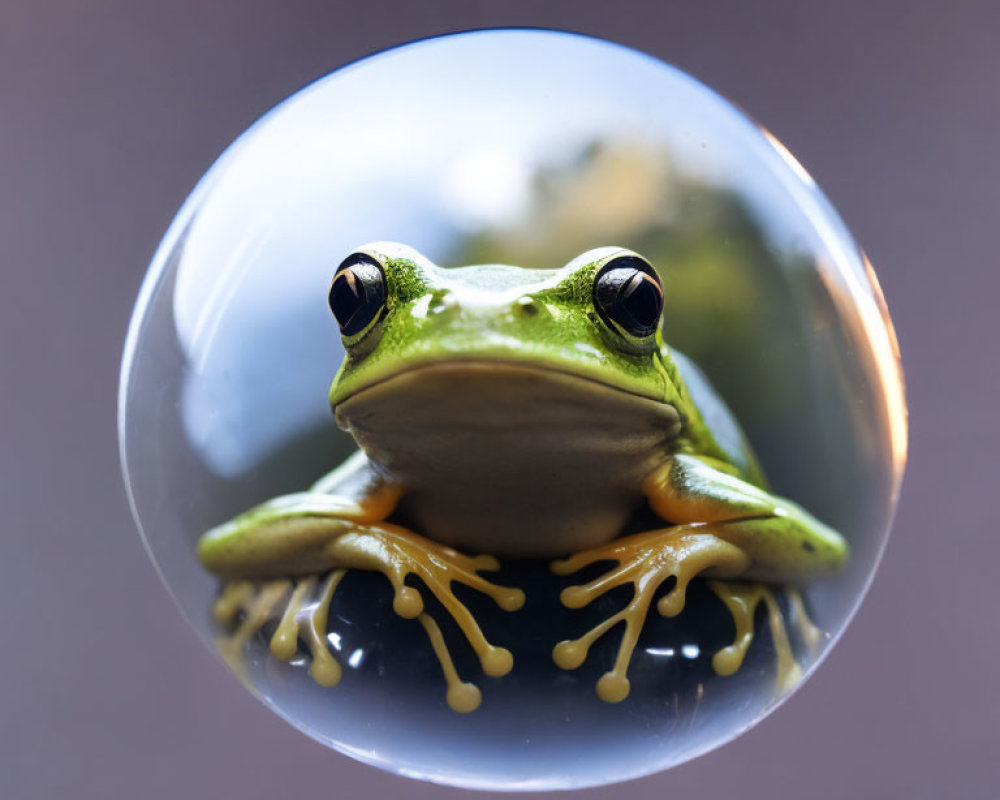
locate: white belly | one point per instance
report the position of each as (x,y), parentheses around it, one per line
(508,460)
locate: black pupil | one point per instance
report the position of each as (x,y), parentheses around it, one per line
(642,300)
(345,297)
(357,296)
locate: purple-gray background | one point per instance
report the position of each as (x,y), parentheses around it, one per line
(109,113)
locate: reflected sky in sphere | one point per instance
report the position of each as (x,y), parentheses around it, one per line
(528,148)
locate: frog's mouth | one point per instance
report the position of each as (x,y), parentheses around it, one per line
(489,395)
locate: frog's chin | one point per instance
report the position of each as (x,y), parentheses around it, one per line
(493,393)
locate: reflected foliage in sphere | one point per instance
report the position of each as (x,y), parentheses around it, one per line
(524,148)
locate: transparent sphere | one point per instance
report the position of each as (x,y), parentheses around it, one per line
(525,148)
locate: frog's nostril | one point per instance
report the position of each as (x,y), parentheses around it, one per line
(442,301)
(526,305)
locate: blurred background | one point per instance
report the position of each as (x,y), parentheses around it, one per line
(110,114)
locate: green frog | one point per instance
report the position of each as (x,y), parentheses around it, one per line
(512,413)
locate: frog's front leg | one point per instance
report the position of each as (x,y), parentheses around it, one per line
(279,551)
(722,527)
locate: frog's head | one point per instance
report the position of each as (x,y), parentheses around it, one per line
(595,320)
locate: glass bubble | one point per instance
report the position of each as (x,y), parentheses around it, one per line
(521,147)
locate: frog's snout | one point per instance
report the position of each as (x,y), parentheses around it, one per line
(483,309)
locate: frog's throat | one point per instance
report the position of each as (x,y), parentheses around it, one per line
(513,460)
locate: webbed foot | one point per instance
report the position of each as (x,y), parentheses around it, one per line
(395,552)
(644,561)
(304,616)
(742,600)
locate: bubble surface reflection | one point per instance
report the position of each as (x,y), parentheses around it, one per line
(525,148)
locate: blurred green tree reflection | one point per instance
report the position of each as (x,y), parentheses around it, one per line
(735,303)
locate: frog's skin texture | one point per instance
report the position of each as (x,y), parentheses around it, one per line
(523,414)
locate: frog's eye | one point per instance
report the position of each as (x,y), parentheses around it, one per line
(628,295)
(357,294)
